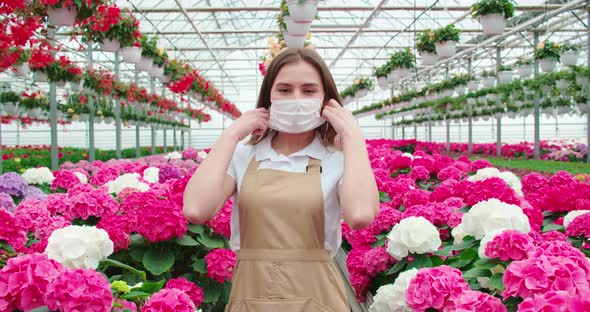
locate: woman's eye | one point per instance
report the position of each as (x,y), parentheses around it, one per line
(310,91)
(283,90)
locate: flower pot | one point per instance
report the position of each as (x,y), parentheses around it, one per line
(488,82)
(22,70)
(361,93)
(505,76)
(492,24)
(88,91)
(131,54)
(35,113)
(297,27)
(547,65)
(582,81)
(472,86)
(393,76)
(383,83)
(304,12)
(64,16)
(61,83)
(446,48)
(471,101)
(524,71)
(165,79)
(10,108)
(75,86)
(110,45)
(294,41)
(485,118)
(429,58)
(403,72)
(40,76)
(448,93)
(145,63)
(562,84)
(84,117)
(492,97)
(156,71)
(460,90)
(546,89)
(569,58)
(347,99)
(108,120)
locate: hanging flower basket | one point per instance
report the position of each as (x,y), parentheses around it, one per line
(562,84)
(582,81)
(569,58)
(156,71)
(361,93)
(131,54)
(303,12)
(64,16)
(294,41)
(40,76)
(165,79)
(297,27)
(383,82)
(22,70)
(492,24)
(446,49)
(76,86)
(110,45)
(524,71)
(488,82)
(547,64)
(428,58)
(505,76)
(393,76)
(145,63)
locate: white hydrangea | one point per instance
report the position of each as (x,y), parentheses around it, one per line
(173,155)
(489,215)
(202,154)
(79,247)
(410,156)
(392,297)
(82,177)
(412,234)
(488,237)
(152,174)
(510,178)
(127,180)
(40,175)
(458,234)
(570,216)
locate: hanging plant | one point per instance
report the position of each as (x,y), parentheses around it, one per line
(548,53)
(71,10)
(149,46)
(403,59)
(492,14)
(569,54)
(445,40)
(425,42)
(101,26)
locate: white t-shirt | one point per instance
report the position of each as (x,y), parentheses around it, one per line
(332,169)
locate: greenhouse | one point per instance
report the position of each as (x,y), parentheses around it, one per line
(446,143)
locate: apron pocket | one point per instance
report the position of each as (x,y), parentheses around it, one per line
(273,305)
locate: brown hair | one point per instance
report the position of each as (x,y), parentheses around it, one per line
(291,56)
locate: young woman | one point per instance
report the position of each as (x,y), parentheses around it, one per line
(292,185)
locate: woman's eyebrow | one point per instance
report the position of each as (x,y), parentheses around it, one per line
(286,84)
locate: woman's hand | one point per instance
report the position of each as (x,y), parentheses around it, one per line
(342,120)
(251,122)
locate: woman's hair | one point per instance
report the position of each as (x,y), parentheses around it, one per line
(291,56)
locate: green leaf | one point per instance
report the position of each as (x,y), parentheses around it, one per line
(186,240)
(200,266)
(137,253)
(420,261)
(486,263)
(158,261)
(114,263)
(384,198)
(41,309)
(447,250)
(552,227)
(211,242)
(469,254)
(152,287)
(226,292)
(135,294)
(196,228)
(136,240)
(6,247)
(436,261)
(477,272)
(397,267)
(496,282)
(380,242)
(211,291)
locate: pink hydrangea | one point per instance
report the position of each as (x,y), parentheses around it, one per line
(580,226)
(161,220)
(420,173)
(444,191)
(24,281)
(549,301)
(359,278)
(475,192)
(534,214)
(220,264)
(125,305)
(29,213)
(562,248)
(538,275)
(385,219)
(12,233)
(57,203)
(415,197)
(454,202)
(221,222)
(64,179)
(46,226)
(377,260)
(169,300)
(476,301)
(450,173)
(553,236)
(437,213)
(480,164)
(168,172)
(119,227)
(533,182)
(435,288)
(104,175)
(80,189)
(455,219)
(191,289)
(360,238)
(92,204)
(79,290)
(510,245)
(190,153)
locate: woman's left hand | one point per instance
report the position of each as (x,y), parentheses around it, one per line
(342,120)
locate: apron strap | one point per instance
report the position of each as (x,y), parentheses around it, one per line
(252,166)
(314,166)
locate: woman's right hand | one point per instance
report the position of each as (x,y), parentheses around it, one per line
(251,122)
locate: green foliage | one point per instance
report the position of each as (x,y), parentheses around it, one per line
(547,50)
(485,7)
(425,42)
(447,33)
(149,46)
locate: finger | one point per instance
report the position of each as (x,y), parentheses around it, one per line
(333,103)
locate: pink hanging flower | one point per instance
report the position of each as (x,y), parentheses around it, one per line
(220,264)
(79,290)
(169,300)
(193,291)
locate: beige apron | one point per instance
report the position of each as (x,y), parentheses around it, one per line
(282,263)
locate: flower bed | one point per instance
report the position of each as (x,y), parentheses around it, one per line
(457,235)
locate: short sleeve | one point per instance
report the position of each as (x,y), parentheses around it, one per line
(241,154)
(231,169)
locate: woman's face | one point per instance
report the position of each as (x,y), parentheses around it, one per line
(297,81)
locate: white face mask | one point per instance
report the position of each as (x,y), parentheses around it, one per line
(295,116)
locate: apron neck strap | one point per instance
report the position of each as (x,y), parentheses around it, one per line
(314,166)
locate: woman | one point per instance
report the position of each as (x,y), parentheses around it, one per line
(292,187)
